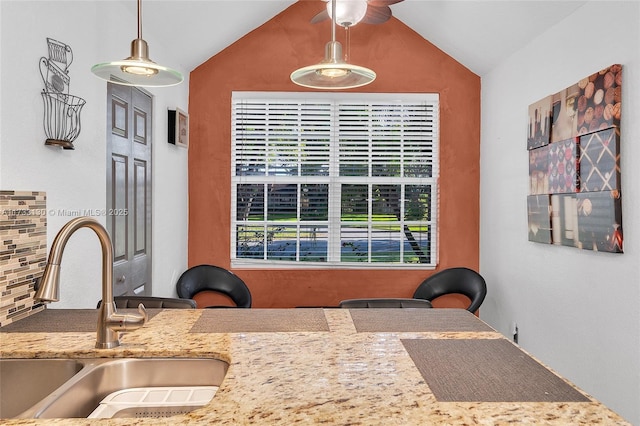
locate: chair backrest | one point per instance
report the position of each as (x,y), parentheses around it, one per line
(150,302)
(454,281)
(385,303)
(213,278)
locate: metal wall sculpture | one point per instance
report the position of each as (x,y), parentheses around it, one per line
(575,196)
(61,109)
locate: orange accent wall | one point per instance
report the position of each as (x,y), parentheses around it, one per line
(262,61)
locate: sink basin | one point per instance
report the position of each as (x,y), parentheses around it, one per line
(24,382)
(81,393)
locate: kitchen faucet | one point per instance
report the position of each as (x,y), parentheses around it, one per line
(109,321)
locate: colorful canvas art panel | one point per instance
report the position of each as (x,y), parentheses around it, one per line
(539,130)
(599,101)
(564,118)
(539,212)
(564,220)
(562,166)
(539,171)
(600,221)
(574,142)
(600,161)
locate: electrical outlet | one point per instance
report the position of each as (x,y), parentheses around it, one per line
(514,331)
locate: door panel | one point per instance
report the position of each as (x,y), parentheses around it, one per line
(140,209)
(119,118)
(140,126)
(129,188)
(119,222)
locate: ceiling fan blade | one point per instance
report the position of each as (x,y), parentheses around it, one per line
(377,14)
(379,3)
(322,16)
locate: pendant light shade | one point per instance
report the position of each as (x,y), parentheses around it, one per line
(138,69)
(333,72)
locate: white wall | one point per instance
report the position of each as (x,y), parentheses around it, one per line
(577,311)
(1,97)
(76,180)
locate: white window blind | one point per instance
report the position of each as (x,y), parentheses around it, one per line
(334,179)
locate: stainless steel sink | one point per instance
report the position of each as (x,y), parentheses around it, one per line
(24,382)
(83,391)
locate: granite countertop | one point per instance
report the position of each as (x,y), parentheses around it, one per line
(336,367)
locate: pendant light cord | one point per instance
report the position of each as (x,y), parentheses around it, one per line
(333,20)
(140,19)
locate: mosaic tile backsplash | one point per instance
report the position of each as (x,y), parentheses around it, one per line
(23,252)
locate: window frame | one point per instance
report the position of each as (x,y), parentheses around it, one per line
(336,180)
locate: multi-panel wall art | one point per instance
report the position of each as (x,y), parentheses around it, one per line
(574,165)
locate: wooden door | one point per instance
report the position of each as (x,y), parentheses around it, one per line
(129,119)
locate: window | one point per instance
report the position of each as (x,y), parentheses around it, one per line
(334,179)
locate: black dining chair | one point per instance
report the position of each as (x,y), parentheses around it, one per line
(459,280)
(210,278)
(150,302)
(385,303)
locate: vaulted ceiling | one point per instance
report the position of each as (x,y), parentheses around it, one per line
(477,33)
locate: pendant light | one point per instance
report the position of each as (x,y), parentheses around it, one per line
(138,69)
(333,72)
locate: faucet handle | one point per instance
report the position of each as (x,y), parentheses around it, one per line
(143,312)
(129,321)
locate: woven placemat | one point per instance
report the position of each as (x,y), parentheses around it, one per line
(62,321)
(486,370)
(260,321)
(377,320)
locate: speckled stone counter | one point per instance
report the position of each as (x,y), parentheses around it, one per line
(336,376)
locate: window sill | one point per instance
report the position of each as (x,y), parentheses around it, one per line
(247,264)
